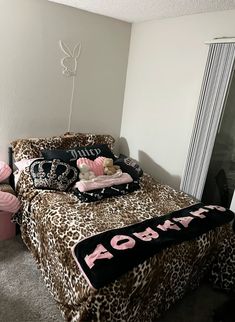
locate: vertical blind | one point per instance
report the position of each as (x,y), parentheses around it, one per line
(215,85)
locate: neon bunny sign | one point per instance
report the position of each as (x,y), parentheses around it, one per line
(69,64)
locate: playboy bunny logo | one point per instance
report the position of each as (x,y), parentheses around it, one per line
(69,62)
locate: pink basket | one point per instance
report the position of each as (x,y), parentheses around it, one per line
(7,228)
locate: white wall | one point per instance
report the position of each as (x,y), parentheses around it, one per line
(34,96)
(166,64)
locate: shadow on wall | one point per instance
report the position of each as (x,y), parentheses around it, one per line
(150,166)
(157,172)
(123,146)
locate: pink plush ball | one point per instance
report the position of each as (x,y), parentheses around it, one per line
(5,171)
(9,202)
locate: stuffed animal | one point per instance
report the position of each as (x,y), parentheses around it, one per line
(109,167)
(85,172)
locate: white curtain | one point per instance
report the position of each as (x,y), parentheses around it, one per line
(216,81)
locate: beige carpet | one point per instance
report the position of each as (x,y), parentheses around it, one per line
(23,295)
(24,298)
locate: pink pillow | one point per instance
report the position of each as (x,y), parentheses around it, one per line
(9,202)
(5,171)
(96,166)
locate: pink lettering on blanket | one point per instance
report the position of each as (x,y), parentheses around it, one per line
(168,225)
(185,221)
(122,242)
(99,253)
(199,213)
(102,258)
(147,235)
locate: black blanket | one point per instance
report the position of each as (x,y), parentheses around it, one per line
(102,258)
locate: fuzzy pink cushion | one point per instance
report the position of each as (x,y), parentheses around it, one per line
(9,202)
(96,166)
(5,171)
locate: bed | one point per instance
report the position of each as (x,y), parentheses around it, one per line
(52,222)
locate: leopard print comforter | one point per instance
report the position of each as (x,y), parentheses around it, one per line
(52,222)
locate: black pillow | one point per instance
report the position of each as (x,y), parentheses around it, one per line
(53,175)
(71,155)
(130,166)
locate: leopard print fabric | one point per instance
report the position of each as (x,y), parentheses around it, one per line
(31,148)
(52,222)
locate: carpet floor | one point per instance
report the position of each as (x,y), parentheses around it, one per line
(24,297)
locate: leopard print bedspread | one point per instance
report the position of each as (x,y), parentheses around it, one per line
(52,222)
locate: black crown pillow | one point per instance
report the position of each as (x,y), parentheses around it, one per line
(71,155)
(53,175)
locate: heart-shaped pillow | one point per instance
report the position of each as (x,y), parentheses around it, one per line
(96,166)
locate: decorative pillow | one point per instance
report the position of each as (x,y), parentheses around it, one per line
(71,155)
(32,148)
(95,166)
(5,171)
(130,166)
(54,175)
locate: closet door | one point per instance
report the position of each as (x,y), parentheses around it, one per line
(220,180)
(215,86)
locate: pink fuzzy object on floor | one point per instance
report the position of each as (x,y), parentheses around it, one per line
(7,228)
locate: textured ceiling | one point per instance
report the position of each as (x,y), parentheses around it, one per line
(142,10)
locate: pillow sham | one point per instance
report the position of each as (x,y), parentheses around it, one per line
(92,139)
(32,147)
(53,175)
(71,155)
